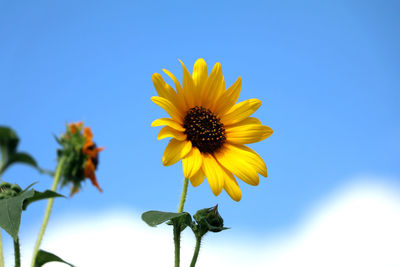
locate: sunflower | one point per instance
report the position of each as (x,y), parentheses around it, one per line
(82,156)
(209,130)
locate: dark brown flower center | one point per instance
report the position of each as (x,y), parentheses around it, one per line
(204,129)
(95,159)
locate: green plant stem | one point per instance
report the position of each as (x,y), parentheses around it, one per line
(17,253)
(3,162)
(1,252)
(177,230)
(196,251)
(183,196)
(177,242)
(49,207)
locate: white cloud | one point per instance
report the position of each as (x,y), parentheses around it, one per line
(357,226)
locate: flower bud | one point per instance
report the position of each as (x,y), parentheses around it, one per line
(209,220)
(8,190)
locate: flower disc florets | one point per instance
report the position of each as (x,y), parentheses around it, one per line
(81,156)
(204,129)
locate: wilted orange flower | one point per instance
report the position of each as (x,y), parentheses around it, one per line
(82,156)
(90,148)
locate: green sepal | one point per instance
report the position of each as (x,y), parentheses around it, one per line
(40,196)
(154,218)
(44,257)
(11,211)
(74,166)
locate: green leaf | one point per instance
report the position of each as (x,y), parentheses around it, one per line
(8,139)
(154,218)
(44,257)
(20,157)
(47,172)
(11,211)
(184,221)
(11,208)
(29,186)
(39,196)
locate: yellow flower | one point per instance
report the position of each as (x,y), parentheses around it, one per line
(209,131)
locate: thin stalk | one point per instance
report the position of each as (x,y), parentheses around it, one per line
(49,207)
(3,162)
(177,230)
(183,196)
(196,251)
(1,252)
(177,242)
(17,253)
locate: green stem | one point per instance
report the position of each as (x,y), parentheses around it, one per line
(17,253)
(49,207)
(183,196)
(196,251)
(3,162)
(177,228)
(177,242)
(1,252)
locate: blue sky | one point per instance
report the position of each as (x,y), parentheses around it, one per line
(327,73)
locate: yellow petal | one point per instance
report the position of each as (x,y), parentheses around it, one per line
(172,153)
(229,97)
(240,111)
(186,149)
(169,107)
(198,178)
(192,163)
(232,188)
(168,122)
(188,86)
(232,160)
(171,132)
(247,134)
(214,172)
(247,121)
(250,156)
(212,87)
(179,90)
(176,82)
(200,73)
(163,89)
